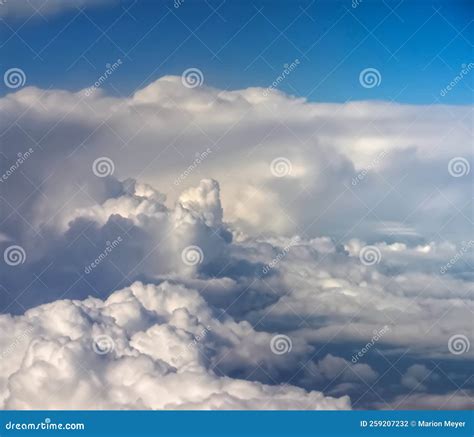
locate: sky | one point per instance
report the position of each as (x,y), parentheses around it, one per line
(236,205)
(418,47)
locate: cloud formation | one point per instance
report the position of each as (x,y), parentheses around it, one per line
(211,318)
(373,169)
(319,224)
(144,347)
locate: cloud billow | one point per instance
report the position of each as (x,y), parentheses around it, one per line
(173,286)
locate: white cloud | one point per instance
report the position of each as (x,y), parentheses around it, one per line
(331,368)
(316,290)
(417,377)
(162,339)
(400,152)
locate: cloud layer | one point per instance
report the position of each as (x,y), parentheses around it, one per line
(238,249)
(369,169)
(144,347)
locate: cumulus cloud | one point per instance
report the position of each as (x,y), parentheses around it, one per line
(144,347)
(212,318)
(192,263)
(372,169)
(417,376)
(331,367)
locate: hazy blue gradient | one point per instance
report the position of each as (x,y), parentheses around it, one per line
(417,46)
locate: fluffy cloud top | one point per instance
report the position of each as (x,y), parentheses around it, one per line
(337,229)
(373,169)
(144,347)
(200,333)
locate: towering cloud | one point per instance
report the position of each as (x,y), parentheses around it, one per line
(199,248)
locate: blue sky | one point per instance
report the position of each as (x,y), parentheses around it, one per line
(417,46)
